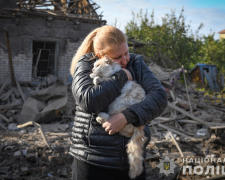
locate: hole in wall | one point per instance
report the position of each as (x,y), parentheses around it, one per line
(43,58)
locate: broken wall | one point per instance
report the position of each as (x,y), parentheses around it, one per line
(65,59)
(22,64)
(25,29)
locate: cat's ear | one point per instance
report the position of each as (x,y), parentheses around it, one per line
(108,60)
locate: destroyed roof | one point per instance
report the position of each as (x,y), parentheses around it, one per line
(81,9)
(138,43)
(222,32)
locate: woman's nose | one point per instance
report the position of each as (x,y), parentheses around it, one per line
(124,60)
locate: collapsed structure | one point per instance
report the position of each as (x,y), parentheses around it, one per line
(44,35)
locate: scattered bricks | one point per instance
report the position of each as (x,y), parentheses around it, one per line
(17,153)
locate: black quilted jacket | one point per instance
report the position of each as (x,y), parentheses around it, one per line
(90,142)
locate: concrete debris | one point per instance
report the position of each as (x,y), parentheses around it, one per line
(196,122)
(36,120)
(13,127)
(35,134)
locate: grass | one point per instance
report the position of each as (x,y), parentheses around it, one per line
(211,93)
(204,88)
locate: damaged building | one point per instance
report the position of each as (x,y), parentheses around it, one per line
(44,35)
(205,74)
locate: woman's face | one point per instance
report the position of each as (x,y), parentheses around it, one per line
(120,55)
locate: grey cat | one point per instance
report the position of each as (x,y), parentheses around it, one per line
(131,93)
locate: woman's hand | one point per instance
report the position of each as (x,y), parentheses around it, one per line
(128,74)
(115,123)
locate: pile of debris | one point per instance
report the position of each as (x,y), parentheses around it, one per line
(36,120)
(190,127)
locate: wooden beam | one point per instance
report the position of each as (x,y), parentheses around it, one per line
(36,64)
(69,16)
(11,106)
(82,7)
(175,142)
(64,3)
(39,2)
(147,59)
(40,129)
(21,92)
(10,57)
(4,118)
(175,131)
(187,114)
(57,5)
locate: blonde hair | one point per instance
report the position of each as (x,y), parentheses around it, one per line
(102,40)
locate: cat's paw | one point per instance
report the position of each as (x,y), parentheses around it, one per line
(92,75)
(97,80)
(103,115)
(100,120)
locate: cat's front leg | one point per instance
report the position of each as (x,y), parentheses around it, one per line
(102,117)
(97,80)
(92,75)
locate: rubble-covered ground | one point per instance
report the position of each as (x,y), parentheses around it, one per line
(24,155)
(36,119)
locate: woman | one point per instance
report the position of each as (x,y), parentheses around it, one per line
(99,151)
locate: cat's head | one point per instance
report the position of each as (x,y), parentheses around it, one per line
(105,67)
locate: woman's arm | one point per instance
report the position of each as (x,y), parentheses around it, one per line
(94,98)
(154,103)
(142,113)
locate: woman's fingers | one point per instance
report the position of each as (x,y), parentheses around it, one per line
(106,126)
(115,123)
(111,132)
(107,129)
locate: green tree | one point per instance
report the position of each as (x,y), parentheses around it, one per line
(173,32)
(213,52)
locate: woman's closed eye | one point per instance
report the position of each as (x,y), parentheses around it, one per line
(121,56)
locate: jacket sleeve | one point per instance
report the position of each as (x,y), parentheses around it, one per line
(154,103)
(94,98)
